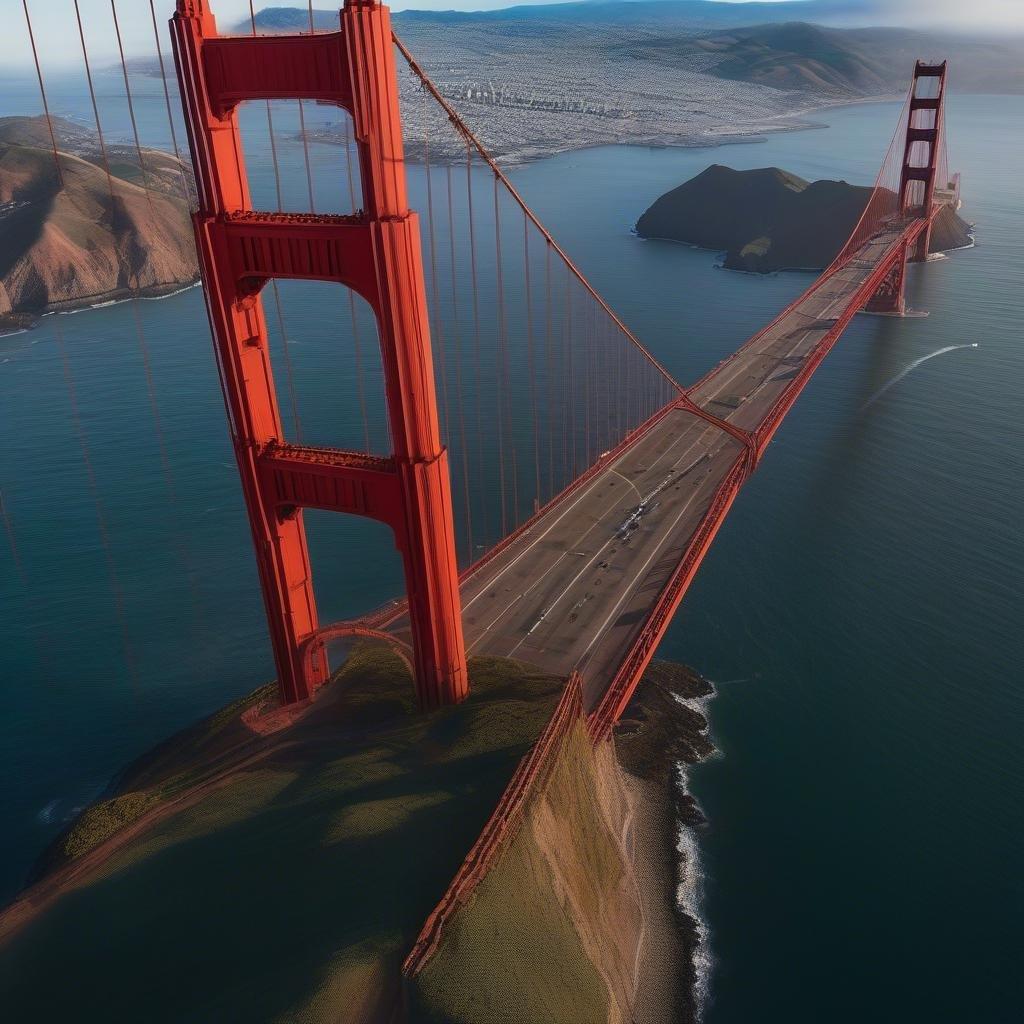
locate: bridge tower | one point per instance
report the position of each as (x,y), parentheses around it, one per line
(377,253)
(921,148)
(920,160)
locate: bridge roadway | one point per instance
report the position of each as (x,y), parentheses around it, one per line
(575,588)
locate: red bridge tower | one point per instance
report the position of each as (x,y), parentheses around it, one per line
(921,148)
(377,253)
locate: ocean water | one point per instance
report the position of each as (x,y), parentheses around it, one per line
(859,612)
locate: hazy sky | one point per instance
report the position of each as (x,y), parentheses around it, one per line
(57,32)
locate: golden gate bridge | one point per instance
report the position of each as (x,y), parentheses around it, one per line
(550,487)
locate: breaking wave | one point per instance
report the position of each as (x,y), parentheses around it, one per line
(690,890)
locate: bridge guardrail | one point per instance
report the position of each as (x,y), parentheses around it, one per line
(503,825)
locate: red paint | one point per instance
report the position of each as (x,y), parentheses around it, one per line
(917,201)
(376,253)
(890,297)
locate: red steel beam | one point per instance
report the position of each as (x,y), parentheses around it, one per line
(378,254)
(928,137)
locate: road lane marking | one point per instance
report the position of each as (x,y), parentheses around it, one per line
(643,569)
(547,611)
(627,481)
(597,522)
(599,478)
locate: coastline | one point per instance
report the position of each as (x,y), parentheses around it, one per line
(664,731)
(12,324)
(712,138)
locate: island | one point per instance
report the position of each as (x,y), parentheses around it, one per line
(74,238)
(768,219)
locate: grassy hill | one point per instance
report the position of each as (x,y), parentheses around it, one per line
(246,877)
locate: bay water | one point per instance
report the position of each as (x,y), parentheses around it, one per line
(860,612)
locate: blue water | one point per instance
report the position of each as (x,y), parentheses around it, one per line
(860,608)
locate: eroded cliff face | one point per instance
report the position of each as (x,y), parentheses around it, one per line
(574,921)
(64,246)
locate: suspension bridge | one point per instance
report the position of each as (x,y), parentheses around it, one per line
(551,488)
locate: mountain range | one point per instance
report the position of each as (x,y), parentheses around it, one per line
(806,45)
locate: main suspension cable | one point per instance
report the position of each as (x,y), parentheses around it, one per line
(471,140)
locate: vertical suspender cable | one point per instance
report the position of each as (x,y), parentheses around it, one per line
(549,357)
(101,520)
(499,360)
(165,462)
(101,516)
(42,93)
(131,105)
(305,139)
(12,543)
(569,371)
(619,349)
(482,486)
(506,369)
(473,143)
(458,368)
(167,101)
(95,108)
(589,422)
(438,332)
(305,150)
(38,642)
(598,347)
(273,281)
(565,372)
(531,359)
(356,346)
(627,377)
(289,373)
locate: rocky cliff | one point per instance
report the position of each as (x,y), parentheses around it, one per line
(83,240)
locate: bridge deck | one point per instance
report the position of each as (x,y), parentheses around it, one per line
(761,370)
(574,590)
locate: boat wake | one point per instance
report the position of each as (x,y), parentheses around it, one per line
(913,366)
